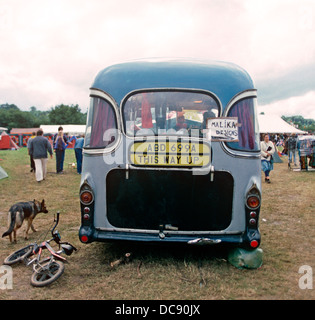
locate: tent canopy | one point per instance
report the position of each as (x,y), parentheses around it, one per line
(275,124)
(71,129)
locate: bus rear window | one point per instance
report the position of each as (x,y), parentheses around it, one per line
(248,132)
(168,113)
(101,128)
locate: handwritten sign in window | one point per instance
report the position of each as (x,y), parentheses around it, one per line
(223,129)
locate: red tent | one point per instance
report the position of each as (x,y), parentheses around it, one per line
(6,142)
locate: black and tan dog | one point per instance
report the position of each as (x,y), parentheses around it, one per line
(23,211)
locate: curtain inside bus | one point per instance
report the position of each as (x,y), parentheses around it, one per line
(245,111)
(101,118)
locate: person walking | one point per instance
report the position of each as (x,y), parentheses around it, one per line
(292,146)
(60,147)
(78,151)
(39,146)
(62,154)
(267,150)
(28,149)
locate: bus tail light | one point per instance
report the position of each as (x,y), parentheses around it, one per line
(84,238)
(253,214)
(254,244)
(253,201)
(253,198)
(86,197)
(252,209)
(87,205)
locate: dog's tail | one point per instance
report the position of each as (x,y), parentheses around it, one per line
(12,217)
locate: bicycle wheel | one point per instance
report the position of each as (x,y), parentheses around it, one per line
(47,273)
(19,255)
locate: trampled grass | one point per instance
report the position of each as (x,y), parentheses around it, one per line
(154,272)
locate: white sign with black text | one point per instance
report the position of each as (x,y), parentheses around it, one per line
(223,129)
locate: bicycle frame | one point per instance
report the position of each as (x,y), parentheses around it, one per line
(39,250)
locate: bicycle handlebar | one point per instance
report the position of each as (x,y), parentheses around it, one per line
(57,221)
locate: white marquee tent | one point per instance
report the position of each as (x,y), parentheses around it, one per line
(275,124)
(71,129)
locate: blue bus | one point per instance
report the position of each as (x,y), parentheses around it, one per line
(172,155)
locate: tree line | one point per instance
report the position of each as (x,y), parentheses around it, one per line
(303,124)
(12,117)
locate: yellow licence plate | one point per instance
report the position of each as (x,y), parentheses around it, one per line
(180,154)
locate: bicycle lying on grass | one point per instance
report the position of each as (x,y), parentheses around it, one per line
(48,269)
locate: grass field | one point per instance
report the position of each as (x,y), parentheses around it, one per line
(154,273)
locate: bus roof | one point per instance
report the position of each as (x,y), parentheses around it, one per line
(223,79)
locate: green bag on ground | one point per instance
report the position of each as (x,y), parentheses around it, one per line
(249,259)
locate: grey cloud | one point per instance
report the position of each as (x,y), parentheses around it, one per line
(296,82)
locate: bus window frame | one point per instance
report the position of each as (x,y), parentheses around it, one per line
(99,94)
(247,94)
(148,90)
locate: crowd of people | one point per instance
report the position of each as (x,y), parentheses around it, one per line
(299,151)
(39,147)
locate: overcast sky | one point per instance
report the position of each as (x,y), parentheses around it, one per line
(50,51)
